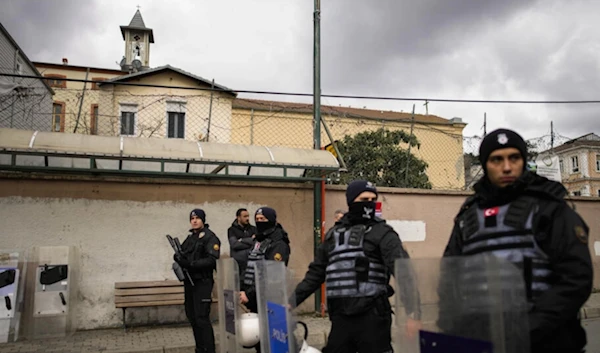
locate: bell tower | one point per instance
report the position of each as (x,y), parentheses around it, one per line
(137,39)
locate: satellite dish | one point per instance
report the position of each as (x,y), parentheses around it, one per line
(136,63)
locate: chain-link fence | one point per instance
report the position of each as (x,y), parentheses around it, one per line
(393,149)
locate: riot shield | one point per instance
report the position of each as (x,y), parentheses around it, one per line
(12,268)
(461,304)
(277,324)
(230,311)
(51,292)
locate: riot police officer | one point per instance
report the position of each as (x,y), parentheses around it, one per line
(272,243)
(523,218)
(200,252)
(356,261)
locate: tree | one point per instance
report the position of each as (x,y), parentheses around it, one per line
(377,156)
(532,150)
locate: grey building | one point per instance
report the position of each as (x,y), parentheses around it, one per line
(25,103)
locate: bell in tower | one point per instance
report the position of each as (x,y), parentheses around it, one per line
(137,39)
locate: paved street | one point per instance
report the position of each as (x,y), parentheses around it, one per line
(592,327)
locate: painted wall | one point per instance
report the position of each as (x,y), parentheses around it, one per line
(119,227)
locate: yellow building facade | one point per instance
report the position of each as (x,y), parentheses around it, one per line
(167,102)
(270,123)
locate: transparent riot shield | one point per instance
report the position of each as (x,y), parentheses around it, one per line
(462,304)
(51,292)
(277,324)
(230,311)
(12,267)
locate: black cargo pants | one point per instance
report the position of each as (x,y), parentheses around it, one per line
(198,299)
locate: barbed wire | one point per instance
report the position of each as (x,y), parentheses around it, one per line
(446,158)
(341,96)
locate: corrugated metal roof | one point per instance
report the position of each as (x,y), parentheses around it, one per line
(168,149)
(307,108)
(24,56)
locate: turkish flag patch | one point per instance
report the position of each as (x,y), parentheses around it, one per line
(490,215)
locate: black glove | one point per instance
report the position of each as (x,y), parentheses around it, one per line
(181,260)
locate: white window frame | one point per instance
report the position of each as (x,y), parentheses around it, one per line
(176,106)
(561,165)
(598,163)
(577,193)
(574,164)
(128,108)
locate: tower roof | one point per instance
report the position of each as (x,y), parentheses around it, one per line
(137,23)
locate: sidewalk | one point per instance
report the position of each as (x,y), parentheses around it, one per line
(158,339)
(177,339)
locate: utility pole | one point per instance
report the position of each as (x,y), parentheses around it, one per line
(317,193)
(484,124)
(212,89)
(412,125)
(552,136)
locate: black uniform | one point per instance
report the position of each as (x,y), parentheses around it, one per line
(547,240)
(276,246)
(360,323)
(201,250)
(240,243)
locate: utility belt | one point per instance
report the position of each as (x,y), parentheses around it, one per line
(382,306)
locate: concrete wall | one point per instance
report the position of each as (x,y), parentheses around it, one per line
(119,227)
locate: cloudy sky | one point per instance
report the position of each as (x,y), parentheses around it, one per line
(459,49)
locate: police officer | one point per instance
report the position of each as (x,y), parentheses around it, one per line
(523,218)
(200,252)
(272,243)
(355,262)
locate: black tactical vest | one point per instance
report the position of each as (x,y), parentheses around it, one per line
(257,254)
(506,232)
(350,273)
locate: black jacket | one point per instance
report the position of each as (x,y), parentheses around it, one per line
(380,242)
(202,249)
(240,241)
(278,250)
(563,235)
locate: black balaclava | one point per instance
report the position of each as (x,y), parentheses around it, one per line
(362,211)
(263,227)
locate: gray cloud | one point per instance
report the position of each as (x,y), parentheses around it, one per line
(363,37)
(475,49)
(57,27)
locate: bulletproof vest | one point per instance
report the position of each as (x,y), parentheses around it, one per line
(257,254)
(351,273)
(506,232)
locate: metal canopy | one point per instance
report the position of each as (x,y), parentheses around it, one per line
(25,150)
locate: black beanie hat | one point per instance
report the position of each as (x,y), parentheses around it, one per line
(498,139)
(198,213)
(356,188)
(268,212)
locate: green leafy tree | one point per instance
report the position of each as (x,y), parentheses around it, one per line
(531,150)
(378,156)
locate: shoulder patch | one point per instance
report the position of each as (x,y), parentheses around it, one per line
(581,234)
(278,257)
(216,247)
